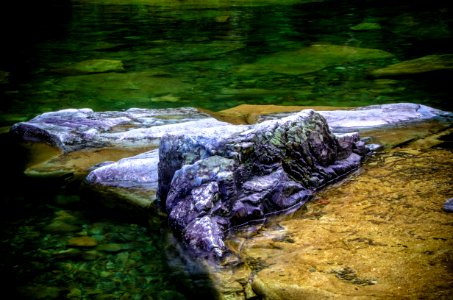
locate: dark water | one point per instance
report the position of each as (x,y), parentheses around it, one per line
(174,55)
(189,55)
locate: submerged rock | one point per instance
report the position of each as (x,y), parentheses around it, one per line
(425,64)
(210,182)
(310,59)
(93,66)
(140,86)
(366,26)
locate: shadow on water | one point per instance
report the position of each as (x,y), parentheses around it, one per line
(57,242)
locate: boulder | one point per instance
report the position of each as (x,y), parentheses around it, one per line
(89,138)
(210,182)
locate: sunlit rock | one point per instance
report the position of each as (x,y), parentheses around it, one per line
(373,234)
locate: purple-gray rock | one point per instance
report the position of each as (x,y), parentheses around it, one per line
(374,116)
(137,171)
(210,175)
(209,182)
(75,129)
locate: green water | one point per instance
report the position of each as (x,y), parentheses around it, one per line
(208,54)
(216,55)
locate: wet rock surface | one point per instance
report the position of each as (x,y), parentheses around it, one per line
(377,234)
(210,175)
(279,260)
(209,183)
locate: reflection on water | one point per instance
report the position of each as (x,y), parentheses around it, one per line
(215,55)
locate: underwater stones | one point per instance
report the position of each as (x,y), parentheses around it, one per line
(82,241)
(448,205)
(137,86)
(92,66)
(198,50)
(310,59)
(210,182)
(425,64)
(366,26)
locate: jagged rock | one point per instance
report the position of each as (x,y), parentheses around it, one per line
(211,182)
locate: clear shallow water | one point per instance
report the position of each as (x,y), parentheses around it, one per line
(213,57)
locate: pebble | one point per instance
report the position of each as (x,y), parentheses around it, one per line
(448,205)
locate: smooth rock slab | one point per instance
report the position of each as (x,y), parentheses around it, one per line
(75,129)
(375,116)
(137,171)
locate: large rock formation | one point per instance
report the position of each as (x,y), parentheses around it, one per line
(213,175)
(210,182)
